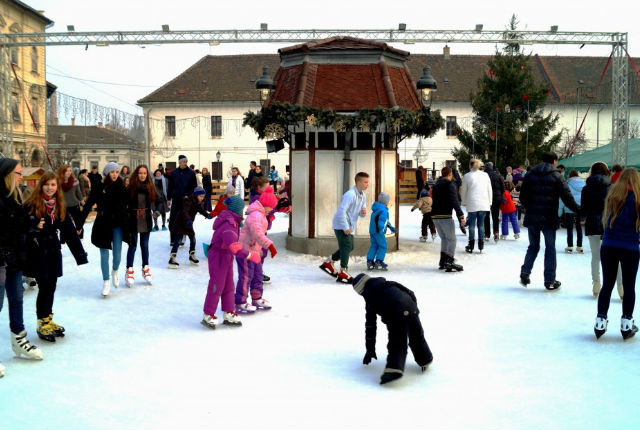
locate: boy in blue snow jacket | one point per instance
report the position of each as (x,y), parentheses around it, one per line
(377,229)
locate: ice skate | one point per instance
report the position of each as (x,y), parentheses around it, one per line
(173,263)
(470,246)
(422,238)
(115,280)
(433,237)
(495,237)
(245,308)
(601,325)
(192,258)
(327,267)
(155,228)
(31,282)
(516,236)
(569,250)
(628,329)
(596,288)
(381,265)
(265,279)
(106,287)
(209,321)
(232,319)
(1,370)
(503,237)
(390,375)
(580,250)
(128,280)
(164,228)
(45,330)
(552,285)
(261,304)
(146,272)
(524,279)
(371,265)
(22,348)
(451,266)
(443,257)
(57,328)
(480,245)
(344,277)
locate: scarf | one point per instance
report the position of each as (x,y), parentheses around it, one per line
(50,205)
(68,185)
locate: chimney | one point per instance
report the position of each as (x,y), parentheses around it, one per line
(446,51)
(73,121)
(100,124)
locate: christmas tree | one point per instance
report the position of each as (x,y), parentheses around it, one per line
(509,126)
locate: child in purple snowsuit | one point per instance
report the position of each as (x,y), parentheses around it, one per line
(224,245)
(253,238)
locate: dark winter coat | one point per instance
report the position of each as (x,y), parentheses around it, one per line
(206,183)
(497,185)
(112,213)
(389,299)
(247,182)
(44,249)
(85,188)
(541,189)
(445,199)
(419,180)
(181,183)
(13,230)
(184,222)
(592,203)
(96,183)
(132,209)
(624,233)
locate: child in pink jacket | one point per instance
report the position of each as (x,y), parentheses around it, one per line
(253,238)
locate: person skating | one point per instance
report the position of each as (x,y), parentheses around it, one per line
(352,206)
(253,238)
(220,206)
(110,228)
(47,216)
(398,309)
(182,182)
(72,196)
(183,226)
(508,209)
(592,200)
(141,195)
(571,219)
(13,257)
(208,188)
(477,195)
(620,247)
(224,247)
(160,205)
(445,200)
(541,189)
(497,187)
(424,203)
(378,226)
(96,190)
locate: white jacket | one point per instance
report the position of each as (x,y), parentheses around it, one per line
(476,191)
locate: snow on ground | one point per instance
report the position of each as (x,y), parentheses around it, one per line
(505,356)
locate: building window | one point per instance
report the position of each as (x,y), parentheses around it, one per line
(34,111)
(265,165)
(34,59)
(15,108)
(216,126)
(406,163)
(170,126)
(451,126)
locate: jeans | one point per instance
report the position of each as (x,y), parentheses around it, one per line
(117,254)
(13,287)
(570,220)
(144,248)
(474,218)
(345,246)
(447,231)
(611,257)
(550,263)
(495,215)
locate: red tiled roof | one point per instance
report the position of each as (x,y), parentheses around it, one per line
(341,43)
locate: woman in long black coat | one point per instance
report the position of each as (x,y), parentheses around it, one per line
(47,216)
(208,188)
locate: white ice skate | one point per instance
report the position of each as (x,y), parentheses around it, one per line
(231,318)
(128,280)
(628,328)
(516,236)
(209,321)
(503,237)
(580,250)
(22,347)
(106,287)
(146,272)
(261,304)
(115,280)
(569,249)
(245,308)
(601,326)
(423,238)
(173,263)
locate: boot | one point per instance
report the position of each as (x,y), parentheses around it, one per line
(45,330)
(390,375)
(470,246)
(601,325)
(58,329)
(106,287)
(524,279)
(146,272)
(173,263)
(115,280)
(128,280)
(552,285)
(627,327)
(451,266)
(596,288)
(23,348)
(192,258)
(443,257)
(480,245)
(232,319)
(209,321)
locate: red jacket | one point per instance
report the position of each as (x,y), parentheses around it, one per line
(615,177)
(507,207)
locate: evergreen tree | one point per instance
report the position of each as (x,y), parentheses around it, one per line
(509,124)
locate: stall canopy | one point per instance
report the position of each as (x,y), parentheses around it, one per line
(583,162)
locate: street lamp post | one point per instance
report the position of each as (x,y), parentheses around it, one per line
(265,85)
(426,85)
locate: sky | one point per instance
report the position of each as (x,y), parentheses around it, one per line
(138,71)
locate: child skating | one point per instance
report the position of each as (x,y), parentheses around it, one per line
(377,229)
(424,203)
(509,214)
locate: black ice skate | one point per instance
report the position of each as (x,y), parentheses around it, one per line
(480,245)
(390,375)
(601,325)
(451,266)
(443,258)
(470,246)
(524,279)
(552,285)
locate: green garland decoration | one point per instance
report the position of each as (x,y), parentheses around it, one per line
(402,122)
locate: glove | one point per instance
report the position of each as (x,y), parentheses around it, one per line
(209,216)
(413,209)
(368,356)
(272,250)
(235,247)
(283,203)
(189,223)
(393,229)
(254,258)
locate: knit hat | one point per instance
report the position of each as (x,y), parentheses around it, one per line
(384,198)
(424,193)
(230,189)
(6,166)
(235,204)
(182,157)
(198,191)
(110,167)
(268,199)
(359,281)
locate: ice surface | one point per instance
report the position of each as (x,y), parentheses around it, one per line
(505,356)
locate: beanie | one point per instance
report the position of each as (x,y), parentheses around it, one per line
(359,281)
(384,198)
(182,157)
(424,193)
(198,191)
(235,204)
(7,165)
(110,167)
(268,199)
